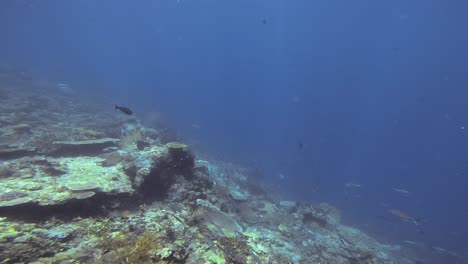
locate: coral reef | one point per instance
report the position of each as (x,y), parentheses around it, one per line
(82,184)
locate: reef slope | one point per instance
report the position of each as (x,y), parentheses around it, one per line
(83,184)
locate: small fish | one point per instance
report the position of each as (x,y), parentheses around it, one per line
(353,185)
(402,191)
(300,144)
(403,216)
(439,249)
(124,110)
(410,242)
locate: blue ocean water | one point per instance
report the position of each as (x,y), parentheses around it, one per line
(358,103)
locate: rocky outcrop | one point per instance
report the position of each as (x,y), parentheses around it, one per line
(83,147)
(49,181)
(57,180)
(155,169)
(210,214)
(13,152)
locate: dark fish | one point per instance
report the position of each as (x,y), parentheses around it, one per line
(300,144)
(124,110)
(264,21)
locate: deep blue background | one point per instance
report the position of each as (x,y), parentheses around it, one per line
(375,90)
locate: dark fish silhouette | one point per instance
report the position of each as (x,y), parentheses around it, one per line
(124,110)
(300,144)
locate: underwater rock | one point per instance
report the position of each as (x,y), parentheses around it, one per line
(189,190)
(224,223)
(83,186)
(15,202)
(333,213)
(283,229)
(324,216)
(13,152)
(14,130)
(155,169)
(8,118)
(180,157)
(202,166)
(82,195)
(238,195)
(289,205)
(83,147)
(176,146)
(80,178)
(111,159)
(248,214)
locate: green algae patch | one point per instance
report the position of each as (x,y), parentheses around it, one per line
(82,178)
(16,201)
(87,173)
(212,257)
